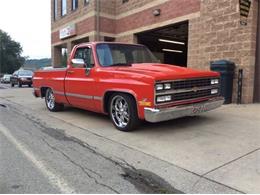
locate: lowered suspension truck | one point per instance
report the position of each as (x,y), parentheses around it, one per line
(126,82)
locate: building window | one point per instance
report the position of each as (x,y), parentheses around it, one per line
(55,9)
(86,2)
(75,4)
(63,7)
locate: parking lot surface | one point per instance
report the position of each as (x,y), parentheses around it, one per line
(216,152)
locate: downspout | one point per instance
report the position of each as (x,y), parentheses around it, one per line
(257,61)
(98,20)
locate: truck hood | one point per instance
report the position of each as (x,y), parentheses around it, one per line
(163,71)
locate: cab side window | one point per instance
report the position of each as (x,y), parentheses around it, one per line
(86,54)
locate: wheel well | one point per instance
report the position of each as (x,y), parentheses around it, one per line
(43,91)
(109,94)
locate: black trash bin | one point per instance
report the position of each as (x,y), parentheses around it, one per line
(226,69)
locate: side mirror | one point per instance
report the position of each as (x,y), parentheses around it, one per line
(78,62)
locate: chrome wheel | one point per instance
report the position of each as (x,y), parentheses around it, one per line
(50,100)
(119,110)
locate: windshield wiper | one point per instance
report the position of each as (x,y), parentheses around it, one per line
(121,64)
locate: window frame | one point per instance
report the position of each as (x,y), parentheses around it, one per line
(55,9)
(64,3)
(91,55)
(74,5)
(86,2)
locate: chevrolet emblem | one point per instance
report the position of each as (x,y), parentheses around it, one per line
(195,89)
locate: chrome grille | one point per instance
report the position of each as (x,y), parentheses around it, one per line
(186,84)
(188,89)
(191,95)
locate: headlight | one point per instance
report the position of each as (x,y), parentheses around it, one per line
(167,86)
(214,81)
(159,87)
(166,98)
(214,91)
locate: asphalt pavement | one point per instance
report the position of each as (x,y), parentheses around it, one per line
(216,152)
(35,158)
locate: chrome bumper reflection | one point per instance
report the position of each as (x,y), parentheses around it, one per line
(157,115)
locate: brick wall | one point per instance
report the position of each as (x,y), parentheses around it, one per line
(71,15)
(217,34)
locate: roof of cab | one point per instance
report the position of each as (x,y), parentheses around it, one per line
(100,42)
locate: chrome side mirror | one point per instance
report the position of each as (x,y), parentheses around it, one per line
(78,62)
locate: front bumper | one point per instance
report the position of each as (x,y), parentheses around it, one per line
(165,114)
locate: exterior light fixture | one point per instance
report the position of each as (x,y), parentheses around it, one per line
(169,41)
(157,12)
(172,50)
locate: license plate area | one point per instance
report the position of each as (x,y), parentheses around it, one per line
(197,109)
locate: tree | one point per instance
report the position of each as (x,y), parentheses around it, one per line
(10,54)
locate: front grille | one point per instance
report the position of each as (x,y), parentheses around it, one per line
(186,84)
(189,89)
(191,95)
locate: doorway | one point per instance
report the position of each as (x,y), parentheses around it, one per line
(169,43)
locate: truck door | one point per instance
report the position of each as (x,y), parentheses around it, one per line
(79,86)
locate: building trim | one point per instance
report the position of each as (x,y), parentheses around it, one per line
(140,9)
(160,24)
(113,17)
(137,30)
(91,33)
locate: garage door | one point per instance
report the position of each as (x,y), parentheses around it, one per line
(169,43)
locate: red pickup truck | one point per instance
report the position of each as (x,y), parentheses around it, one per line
(128,83)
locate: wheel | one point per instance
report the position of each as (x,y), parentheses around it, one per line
(123,112)
(12,85)
(29,85)
(20,84)
(50,102)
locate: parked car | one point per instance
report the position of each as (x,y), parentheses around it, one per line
(126,82)
(6,78)
(21,77)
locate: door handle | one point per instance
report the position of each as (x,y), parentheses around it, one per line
(70,71)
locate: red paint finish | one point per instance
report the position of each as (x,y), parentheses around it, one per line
(74,87)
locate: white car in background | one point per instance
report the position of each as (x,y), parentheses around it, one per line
(6,78)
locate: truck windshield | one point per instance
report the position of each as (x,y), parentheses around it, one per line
(123,54)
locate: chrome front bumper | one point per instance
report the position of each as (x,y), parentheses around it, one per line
(165,114)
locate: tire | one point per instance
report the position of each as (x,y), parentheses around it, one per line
(20,84)
(50,102)
(12,85)
(29,85)
(123,112)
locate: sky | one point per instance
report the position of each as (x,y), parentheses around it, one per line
(28,22)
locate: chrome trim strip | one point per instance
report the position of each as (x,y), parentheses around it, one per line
(187,90)
(98,98)
(53,69)
(79,96)
(58,93)
(88,97)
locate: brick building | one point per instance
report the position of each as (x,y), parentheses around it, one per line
(188,33)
